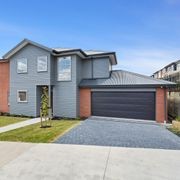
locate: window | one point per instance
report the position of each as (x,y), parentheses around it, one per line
(42,63)
(22,96)
(22,65)
(64,69)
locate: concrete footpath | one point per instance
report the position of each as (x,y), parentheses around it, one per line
(27,161)
(19,125)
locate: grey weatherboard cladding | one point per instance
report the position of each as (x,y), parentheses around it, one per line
(27,81)
(65,94)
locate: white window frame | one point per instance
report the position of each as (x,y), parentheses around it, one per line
(63,58)
(26,66)
(18,100)
(46,59)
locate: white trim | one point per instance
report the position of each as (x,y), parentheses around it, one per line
(18,96)
(22,44)
(9,54)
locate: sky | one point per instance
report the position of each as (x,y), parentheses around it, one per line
(145,34)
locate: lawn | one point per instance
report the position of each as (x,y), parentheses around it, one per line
(33,133)
(6,120)
(175,131)
(175,127)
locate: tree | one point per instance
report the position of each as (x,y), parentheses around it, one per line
(44,110)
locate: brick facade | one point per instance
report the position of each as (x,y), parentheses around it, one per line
(161,105)
(4,86)
(85,102)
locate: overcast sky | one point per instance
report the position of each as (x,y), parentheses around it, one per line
(144,33)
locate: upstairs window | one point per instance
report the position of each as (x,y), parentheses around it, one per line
(64,68)
(22,65)
(42,63)
(22,96)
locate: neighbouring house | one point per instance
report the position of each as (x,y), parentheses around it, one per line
(81,83)
(4,85)
(171,72)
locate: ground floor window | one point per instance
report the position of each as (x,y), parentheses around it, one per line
(22,96)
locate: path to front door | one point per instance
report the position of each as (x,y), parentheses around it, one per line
(19,125)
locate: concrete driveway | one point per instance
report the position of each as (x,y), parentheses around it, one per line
(123,133)
(25,161)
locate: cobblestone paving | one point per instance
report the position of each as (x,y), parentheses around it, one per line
(122,134)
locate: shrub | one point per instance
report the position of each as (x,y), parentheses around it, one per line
(178,118)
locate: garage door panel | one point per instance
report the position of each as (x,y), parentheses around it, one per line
(128,111)
(128,107)
(123,94)
(122,114)
(137,105)
(124,101)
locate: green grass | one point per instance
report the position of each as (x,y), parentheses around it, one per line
(175,130)
(175,127)
(33,133)
(6,120)
(178,118)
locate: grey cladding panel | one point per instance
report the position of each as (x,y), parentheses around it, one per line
(86,69)
(101,68)
(65,94)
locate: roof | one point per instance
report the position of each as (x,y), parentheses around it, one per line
(121,78)
(86,54)
(22,44)
(64,51)
(90,52)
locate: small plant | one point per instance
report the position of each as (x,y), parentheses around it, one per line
(44,110)
(178,118)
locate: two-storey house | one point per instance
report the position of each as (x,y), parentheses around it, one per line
(80,83)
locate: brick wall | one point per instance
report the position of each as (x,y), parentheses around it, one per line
(85,102)
(161,110)
(4,86)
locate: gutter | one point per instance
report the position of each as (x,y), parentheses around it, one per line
(126,86)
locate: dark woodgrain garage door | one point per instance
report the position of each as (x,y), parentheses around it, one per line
(136,105)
